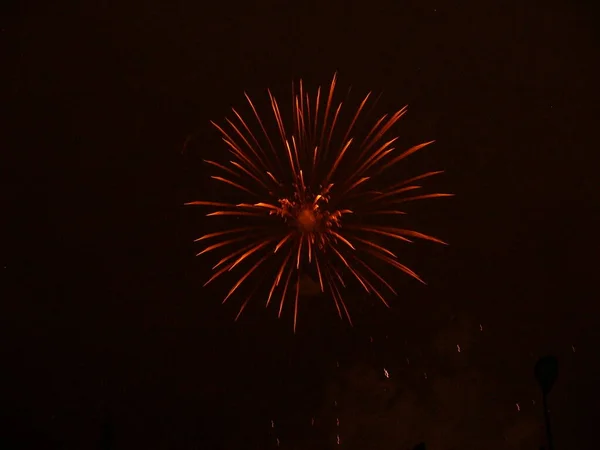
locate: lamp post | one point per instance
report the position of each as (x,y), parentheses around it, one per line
(546,372)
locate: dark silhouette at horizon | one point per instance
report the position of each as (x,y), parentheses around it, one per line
(546,373)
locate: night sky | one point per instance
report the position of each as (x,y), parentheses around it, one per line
(107,336)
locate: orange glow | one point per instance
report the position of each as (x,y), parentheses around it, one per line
(313,196)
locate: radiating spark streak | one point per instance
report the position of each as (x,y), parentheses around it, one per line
(395,192)
(244,304)
(267,205)
(417,178)
(222,167)
(397,265)
(371,131)
(221,244)
(263,129)
(376,275)
(384,212)
(235,213)
(291,160)
(217,204)
(375,136)
(246,205)
(299,252)
(372,288)
(308,120)
(278,118)
(355,185)
(374,245)
(343,239)
(296,301)
(378,294)
(217,274)
(283,241)
(245,125)
(338,275)
(250,174)
(301,127)
(285,287)
(233,255)
(319,272)
(422,197)
(384,129)
(377,156)
(335,118)
(250,252)
(236,151)
(408,152)
(222,233)
(343,303)
(356,275)
(358,111)
(327,108)
(272,177)
(305,123)
(234,146)
(295,122)
(337,161)
(239,186)
(278,277)
(241,280)
(301,186)
(335,300)
(384,231)
(419,235)
(250,146)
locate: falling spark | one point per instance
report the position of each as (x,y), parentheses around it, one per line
(480,327)
(425,373)
(386,373)
(312,201)
(407,361)
(518,407)
(573,347)
(458,348)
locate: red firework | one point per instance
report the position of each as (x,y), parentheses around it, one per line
(306,212)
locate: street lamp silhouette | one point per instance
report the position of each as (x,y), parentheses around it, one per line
(546,372)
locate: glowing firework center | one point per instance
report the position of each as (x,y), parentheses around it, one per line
(311,229)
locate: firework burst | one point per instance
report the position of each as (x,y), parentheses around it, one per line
(309,201)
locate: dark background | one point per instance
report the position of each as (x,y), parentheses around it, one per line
(103,320)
